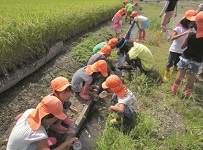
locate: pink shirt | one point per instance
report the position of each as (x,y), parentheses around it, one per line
(117,21)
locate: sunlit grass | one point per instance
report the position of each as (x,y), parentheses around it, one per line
(30,27)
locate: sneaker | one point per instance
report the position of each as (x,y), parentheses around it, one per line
(51,141)
(84,96)
(67,121)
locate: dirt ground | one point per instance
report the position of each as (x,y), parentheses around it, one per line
(29,92)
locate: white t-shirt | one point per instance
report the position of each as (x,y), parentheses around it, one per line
(23,137)
(175,47)
(130,100)
(140,18)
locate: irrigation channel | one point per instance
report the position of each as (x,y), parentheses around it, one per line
(28,92)
(96,117)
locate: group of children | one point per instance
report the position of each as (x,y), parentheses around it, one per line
(186,52)
(132,12)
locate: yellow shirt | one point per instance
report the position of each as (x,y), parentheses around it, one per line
(144,54)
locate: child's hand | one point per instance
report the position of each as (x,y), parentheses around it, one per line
(75,111)
(69,142)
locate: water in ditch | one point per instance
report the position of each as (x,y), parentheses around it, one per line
(94,124)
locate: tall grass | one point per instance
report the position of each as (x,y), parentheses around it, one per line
(30,27)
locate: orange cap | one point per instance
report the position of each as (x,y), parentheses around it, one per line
(105,50)
(135,4)
(60,84)
(134,14)
(199,22)
(112,42)
(125,2)
(115,84)
(189,15)
(99,66)
(121,12)
(48,105)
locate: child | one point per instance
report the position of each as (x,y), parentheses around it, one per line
(129,9)
(179,33)
(86,76)
(117,21)
(144,21)
(168,11)
(111,43)
(191,58)
(102,54)
(137,55)
(127,105)
(30,129)
(57,85)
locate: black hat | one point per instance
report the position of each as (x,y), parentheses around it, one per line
(121,42)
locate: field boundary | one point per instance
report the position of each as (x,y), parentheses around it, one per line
(7,83)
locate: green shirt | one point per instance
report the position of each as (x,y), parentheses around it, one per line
(98,47)
(129,7)
(144,54)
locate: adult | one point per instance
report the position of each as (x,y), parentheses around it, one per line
(169,10)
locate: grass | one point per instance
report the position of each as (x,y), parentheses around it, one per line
(30,27)
(165,121)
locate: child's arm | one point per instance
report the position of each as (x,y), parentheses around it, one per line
(164,8)
(87,91)
(118,108)
(175,35)
(184,44)
(18,116)
(74,110)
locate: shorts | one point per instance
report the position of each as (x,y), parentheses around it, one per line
(67,105)
(117,30)
(145,24)
(191,66)
(173,59)
(128,112)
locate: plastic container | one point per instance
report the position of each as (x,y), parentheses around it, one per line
(103,94)
(77,145)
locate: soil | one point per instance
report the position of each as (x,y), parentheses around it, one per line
(29,92)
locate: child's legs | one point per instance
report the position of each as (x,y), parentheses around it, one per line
(118,31)
(166,19)
(183,66)
(190,81)
(180,75)
(128,112)
(121,58)
(67,105)
(177,58)
(173,59)
(138,63)
(193,68)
